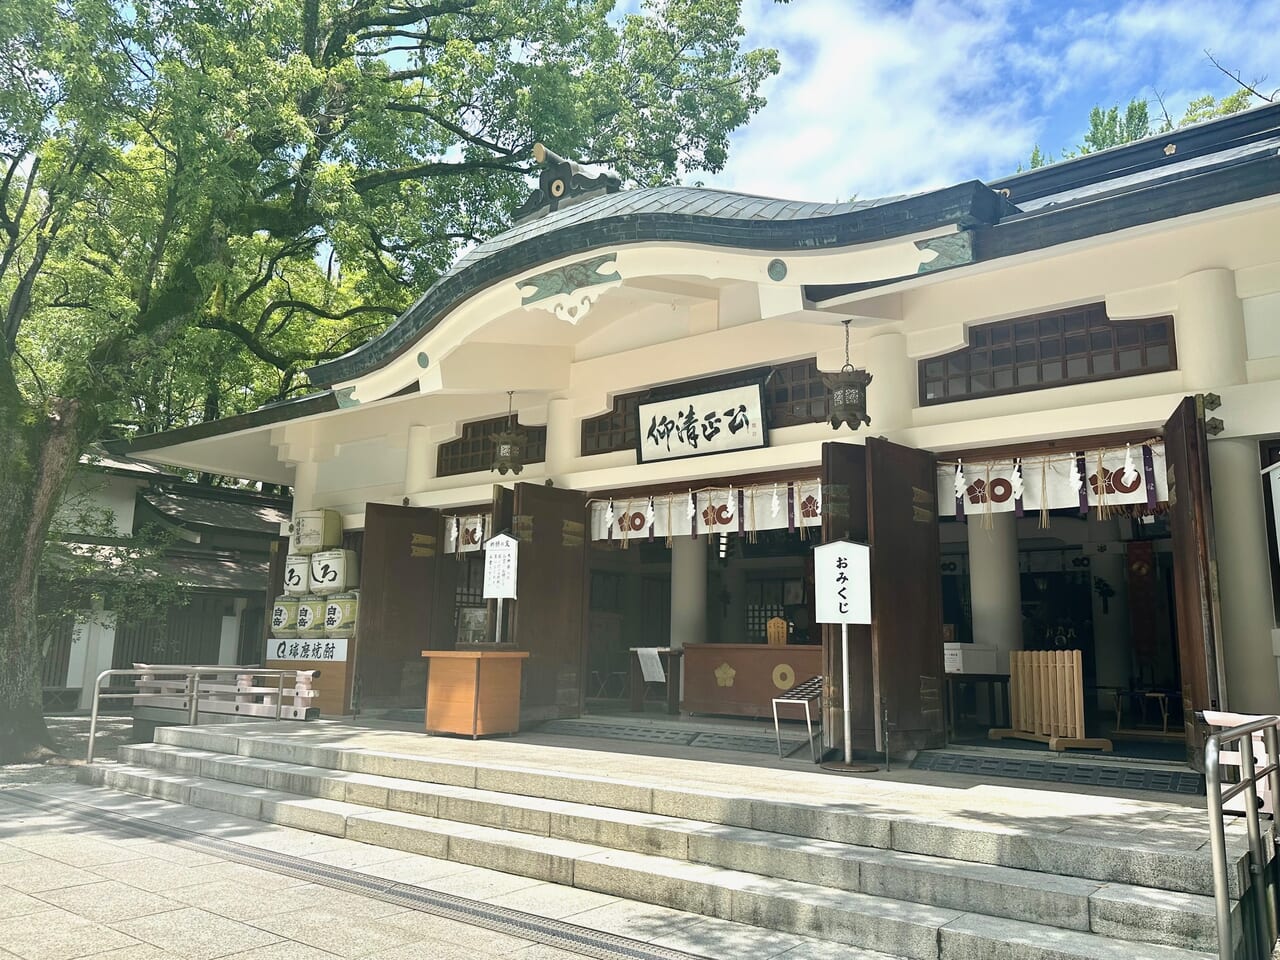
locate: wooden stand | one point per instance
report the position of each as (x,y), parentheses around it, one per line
(473,692)
(1046,700)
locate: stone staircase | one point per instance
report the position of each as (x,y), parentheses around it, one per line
(912,886)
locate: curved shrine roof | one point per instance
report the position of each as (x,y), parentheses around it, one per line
(673,214)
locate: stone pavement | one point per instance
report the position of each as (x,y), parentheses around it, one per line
(73,887)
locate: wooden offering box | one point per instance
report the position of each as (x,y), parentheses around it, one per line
(741,679)
(473,692)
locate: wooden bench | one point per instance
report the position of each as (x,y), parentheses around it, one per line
(223,695)
(802,694)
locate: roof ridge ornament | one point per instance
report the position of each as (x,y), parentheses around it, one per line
(562,183)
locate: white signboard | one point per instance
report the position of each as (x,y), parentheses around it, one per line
(842,582)
(329,649)
(716,422)
(500,567)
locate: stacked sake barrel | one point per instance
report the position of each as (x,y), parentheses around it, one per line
(313,623)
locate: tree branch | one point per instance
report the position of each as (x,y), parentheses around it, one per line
(1236,77)
(371,181)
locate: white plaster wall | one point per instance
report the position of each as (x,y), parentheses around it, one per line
(104,491)
(1262,326)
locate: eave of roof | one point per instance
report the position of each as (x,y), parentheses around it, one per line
(616,219)
(1204,189)
(310,405)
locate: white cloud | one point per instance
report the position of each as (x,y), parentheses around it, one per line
(878,97)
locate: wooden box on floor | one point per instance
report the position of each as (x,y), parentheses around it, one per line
(473,692)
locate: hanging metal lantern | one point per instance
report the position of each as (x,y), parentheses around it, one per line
(508,445)
(848,390)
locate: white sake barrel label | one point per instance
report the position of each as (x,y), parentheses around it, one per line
(332,571)
(297,574)
(284,617)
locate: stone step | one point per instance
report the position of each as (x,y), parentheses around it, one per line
(1177,858)
(903,929)
(1120,910)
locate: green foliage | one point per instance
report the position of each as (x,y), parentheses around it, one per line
(204,198)
(1111,128)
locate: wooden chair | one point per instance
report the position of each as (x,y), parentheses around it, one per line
(775,632)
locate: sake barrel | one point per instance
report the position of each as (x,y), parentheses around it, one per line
(333,571)
(340,614)
(284,617)
(310,616)
(316,530)
(297,574)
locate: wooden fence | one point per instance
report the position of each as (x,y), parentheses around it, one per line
(1046,700)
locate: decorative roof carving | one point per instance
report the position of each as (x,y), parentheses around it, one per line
(562,183)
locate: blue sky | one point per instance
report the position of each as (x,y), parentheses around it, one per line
(878,97)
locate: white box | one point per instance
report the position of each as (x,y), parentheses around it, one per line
(971,658)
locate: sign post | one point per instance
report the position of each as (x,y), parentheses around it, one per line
(842,594)
(500,574)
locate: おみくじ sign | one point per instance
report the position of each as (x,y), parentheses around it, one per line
(842,582)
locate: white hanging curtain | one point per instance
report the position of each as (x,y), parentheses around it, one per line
(1111,477)
(729,510)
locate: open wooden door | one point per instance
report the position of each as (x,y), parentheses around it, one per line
(550,524)
(1195,572)
(906,595)
(397,595)
(844,516)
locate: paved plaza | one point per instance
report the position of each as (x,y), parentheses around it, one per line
(71,888)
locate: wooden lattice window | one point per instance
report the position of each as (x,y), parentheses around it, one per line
(473,451)
(1078,345)
(764,602)
(793,394)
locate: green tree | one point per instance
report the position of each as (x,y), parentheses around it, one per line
(1111,128)
(195,190)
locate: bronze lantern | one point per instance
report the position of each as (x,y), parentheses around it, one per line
(508,445)
(848,390)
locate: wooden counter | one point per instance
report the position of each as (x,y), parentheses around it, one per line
(741,679)
(473,692)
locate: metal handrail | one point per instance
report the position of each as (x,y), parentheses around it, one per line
(1263,934)
(192,675)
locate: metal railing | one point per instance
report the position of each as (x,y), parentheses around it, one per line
(190,693)
(1258,921)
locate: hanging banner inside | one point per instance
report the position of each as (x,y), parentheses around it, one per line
(705,423)
(720,510)
(465,534)
(1114,477)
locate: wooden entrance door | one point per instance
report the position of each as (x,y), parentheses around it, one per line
(398,576)
(550,524)
(906,595)
(1195,571)
(844,516)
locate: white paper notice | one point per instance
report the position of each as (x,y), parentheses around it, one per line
(651,665)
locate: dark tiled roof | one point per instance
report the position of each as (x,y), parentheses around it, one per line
(190,508)
(672,214)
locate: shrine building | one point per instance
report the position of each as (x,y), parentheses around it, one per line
(1046,402)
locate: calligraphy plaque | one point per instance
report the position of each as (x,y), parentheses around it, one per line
(717,422)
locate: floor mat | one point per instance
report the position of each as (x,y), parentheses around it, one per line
(1115,774)
(640,733)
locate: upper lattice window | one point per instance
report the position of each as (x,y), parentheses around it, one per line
(473,450)
(1077,345)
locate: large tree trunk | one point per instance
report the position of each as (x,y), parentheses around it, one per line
(38,451)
